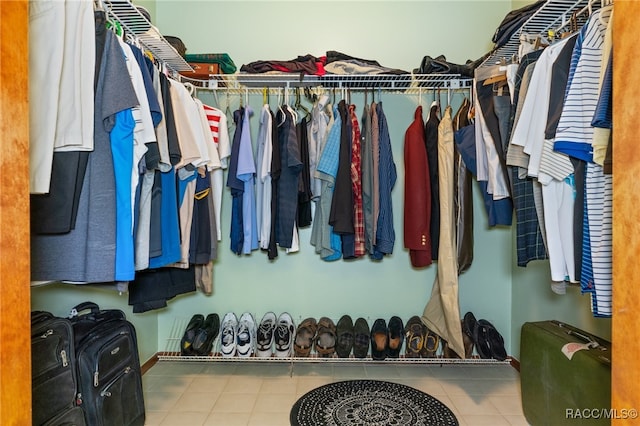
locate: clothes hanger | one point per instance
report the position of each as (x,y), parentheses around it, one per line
(190,87)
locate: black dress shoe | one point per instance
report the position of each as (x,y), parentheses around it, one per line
(186,343)
(379,339)
(361,336)
(395,337)
(345,336)
(205,335)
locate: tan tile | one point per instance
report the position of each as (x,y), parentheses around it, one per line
(154,418)
(306,384)
(269,419)
(176,368)
(414,371)
(171,383)
(184,418)
(274,403)
(322,369)
(426,384)
(516,420)
(381,372)
(507,405)
(208,383)
(220,368)
(279,385)
(243,384)
(349,372)
(227,419)
(481,420)
(196,402)
(235,403)
(161,401)
(473,405)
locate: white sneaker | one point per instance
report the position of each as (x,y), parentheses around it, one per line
(284,334)
(246,336)
(265,335)
(229,329)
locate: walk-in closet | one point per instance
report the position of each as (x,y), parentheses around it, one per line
(426,62)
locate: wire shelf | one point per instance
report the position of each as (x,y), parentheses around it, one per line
(135,23)
(172,353)
(404,83)
(553,15)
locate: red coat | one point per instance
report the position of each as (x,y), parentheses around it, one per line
(417,194)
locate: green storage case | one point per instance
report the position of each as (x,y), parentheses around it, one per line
(557,390)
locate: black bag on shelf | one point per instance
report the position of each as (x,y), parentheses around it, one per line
(513,21)
(53,371)
(110,381)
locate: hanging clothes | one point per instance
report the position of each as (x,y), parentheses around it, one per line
(463,195)
(246,171)
(530,244)
(263,181)
(442,312)
(304,183)
(341,216)
(276,171)
(356,184)
(89,249)
(236,237)
(328,243)
(288,181)
(417,194)
(431,141)
(367,178)
(385,233)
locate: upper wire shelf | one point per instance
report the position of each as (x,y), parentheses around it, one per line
(553,15)
(388,82)
(135,23)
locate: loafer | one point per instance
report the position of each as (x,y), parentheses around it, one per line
(395,337)
(284,334)
(344,336)
(203,342)
(189,335)
(379,339)
(415,334)
(265,335)
(361,336)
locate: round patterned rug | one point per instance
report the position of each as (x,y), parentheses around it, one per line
(369,403)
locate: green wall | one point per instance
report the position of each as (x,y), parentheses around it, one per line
(397,34)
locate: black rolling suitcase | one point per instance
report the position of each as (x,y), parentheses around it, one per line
(565,375)
(53,372)
(110,382)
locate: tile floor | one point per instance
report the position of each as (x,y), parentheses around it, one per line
(262,394)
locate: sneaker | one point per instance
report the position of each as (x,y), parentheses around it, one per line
(229,329)
(264,335)
(246,336)
(283,336)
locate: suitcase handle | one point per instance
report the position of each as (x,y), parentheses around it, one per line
(588,339)
(76,310)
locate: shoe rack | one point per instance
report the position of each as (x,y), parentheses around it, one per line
(172,353)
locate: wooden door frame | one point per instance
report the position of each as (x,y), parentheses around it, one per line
(15,294)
